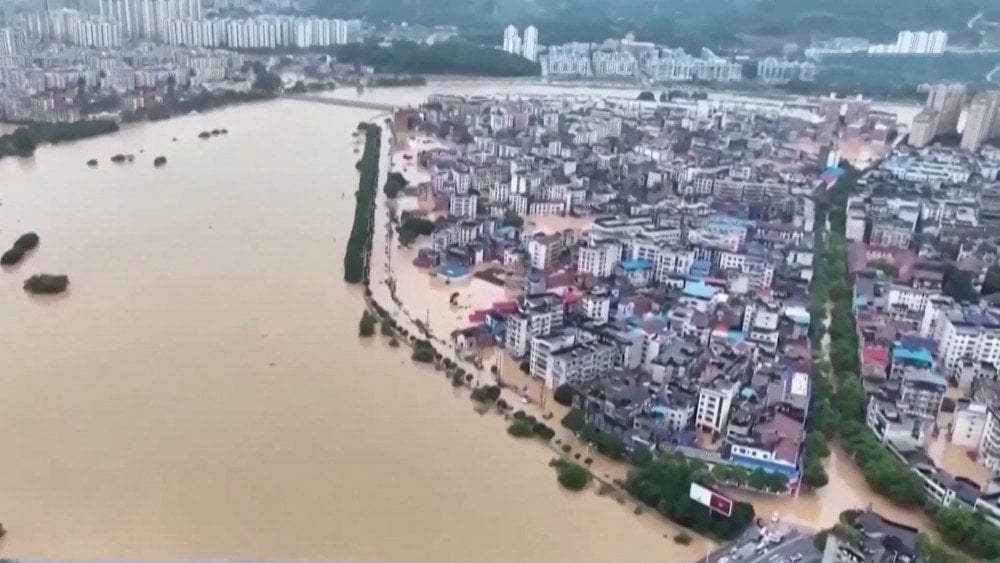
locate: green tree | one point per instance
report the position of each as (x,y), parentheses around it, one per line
(647,96)
(366,327)
(563,395)
(991,284)
(574,420)
(610,445)
(520,429)
(572,476)
(512,219)
(665,484)
(641,456)
(958,285)
(813,474)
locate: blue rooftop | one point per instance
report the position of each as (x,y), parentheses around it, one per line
(912,355)
(639,264)
(698,288)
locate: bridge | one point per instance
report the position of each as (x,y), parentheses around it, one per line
(363,104)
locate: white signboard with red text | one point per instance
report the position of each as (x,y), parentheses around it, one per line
(713,500)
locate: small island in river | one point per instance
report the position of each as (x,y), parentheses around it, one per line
(46,284)
(23,245)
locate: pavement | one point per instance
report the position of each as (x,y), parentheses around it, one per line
(744,550)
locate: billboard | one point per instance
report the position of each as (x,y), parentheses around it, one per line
(713,500)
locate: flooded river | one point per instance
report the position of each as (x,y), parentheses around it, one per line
(202,392)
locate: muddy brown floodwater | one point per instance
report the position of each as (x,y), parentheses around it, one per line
(202,392)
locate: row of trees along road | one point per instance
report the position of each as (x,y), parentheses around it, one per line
(839,401)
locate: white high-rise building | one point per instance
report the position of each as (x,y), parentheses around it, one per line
(11,41)
(947,100)
(980,122)
(511,40)
(99,33)
(529,47)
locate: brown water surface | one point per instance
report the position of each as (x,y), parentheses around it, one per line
(201,391)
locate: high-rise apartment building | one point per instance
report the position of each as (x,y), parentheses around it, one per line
(946,99)
(529,47)
(511,40)
(981,122)
(924,126)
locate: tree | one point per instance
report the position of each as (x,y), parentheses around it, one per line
(574,420)
(572,476)
(610,445)
(512,219)
(641,456)
(543,431)
(813,474)
(664,97)
(958,285)
(564,395)
(367,325)
(991,284)
(775,482)
(969,531)
(664,485)
(758,479)
(647,96)
(394,183)
(520,429)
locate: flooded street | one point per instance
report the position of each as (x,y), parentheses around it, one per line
(202,392)
(427,298)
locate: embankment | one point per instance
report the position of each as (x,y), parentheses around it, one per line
(356,257)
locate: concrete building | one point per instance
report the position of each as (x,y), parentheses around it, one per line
(598,260)
(536,315)
(511,40)
(464,205)
(715,400)
(980,122)
(529,47)
(947,100)
(924,128)
(967,332)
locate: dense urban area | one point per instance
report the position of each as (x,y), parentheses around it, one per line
(737,285)
(727,241)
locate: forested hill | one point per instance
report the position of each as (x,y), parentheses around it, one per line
(687,23)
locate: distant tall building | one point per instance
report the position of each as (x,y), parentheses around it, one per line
(511,40)
(529,48)
(923,129)
(921,42)
(947,100)
(11,41)
(980,124)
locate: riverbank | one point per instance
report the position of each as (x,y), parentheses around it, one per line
(26,137)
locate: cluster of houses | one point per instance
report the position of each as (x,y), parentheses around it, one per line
(921,247)
(680,315)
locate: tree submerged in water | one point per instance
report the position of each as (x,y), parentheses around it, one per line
(571,475)
(46,284)
(24,244)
